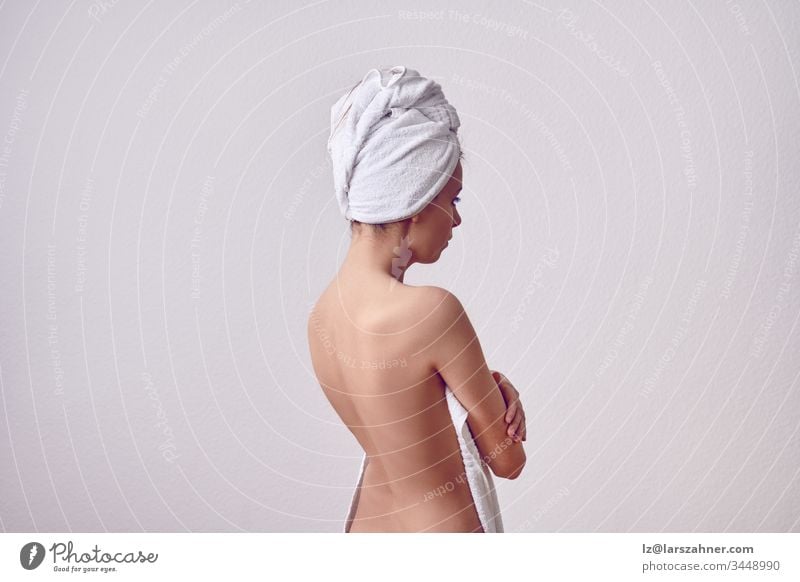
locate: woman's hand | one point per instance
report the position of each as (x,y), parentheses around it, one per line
(515,416)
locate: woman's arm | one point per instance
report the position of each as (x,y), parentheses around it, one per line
(515,415)
(459,359)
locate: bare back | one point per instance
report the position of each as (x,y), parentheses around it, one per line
(368,348)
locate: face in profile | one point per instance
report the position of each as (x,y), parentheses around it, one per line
(433,229)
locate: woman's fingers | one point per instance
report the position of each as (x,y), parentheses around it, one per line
(511,411)
(506,385)
(515,416)
(517,425)
(514,426)
(510,429)
(510,394)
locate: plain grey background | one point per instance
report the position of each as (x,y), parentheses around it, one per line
(628,253)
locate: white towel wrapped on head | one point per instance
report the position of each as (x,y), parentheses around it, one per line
(393,145)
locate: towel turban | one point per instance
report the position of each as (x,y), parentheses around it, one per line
(393,145)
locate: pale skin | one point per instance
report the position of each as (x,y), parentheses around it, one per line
(383,352)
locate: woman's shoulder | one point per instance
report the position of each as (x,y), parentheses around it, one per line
(430,291)
(423,308)
(438,296)
(439,306)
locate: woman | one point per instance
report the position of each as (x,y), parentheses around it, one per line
(401,364)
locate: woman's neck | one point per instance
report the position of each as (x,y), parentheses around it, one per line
(387,256)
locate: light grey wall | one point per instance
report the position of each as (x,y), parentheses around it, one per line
(629,255)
